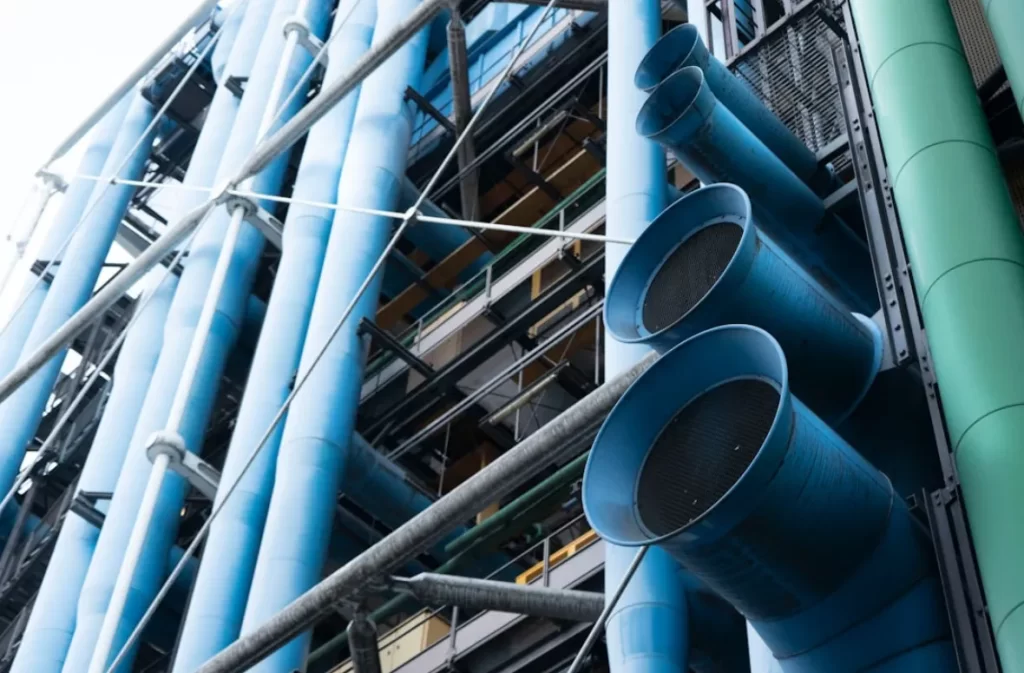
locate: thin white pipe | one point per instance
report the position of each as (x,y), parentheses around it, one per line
(179,406)
(28,220)
(199,14)
(119,598)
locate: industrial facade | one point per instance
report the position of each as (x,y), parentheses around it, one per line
(563,335)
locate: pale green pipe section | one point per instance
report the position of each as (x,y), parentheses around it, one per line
(1006,19)
(967,256)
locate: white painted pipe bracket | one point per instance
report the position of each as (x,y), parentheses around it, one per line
(200,474)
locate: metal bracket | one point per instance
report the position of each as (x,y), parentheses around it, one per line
(267,224)
(307,40)
(200,474)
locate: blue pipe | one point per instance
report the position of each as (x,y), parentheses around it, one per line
(72,206)
(648,630)
(73,284)
(735,273)
(319,427)
(226,137)
(682,47)
(786,521)
(684,115)
(47,636)
(215,615)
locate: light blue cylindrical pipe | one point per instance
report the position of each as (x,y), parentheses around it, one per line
(215,615)
(72,207)
(647,631)
(73,283)
(47,636)
(217,146)
(437,240)
(319,427)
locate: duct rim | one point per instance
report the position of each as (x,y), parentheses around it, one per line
(673,228)
(676,49)
(621,448)
(678,107)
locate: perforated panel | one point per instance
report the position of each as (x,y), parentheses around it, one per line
(703,451)
(791,70)
(689,273)
(979,46)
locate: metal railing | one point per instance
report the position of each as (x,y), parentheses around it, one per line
(456,623)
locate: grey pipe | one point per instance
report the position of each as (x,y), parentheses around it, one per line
(586,5)
(362,643)
(104,299)
(462,111)
(297,127)
(511,470)
(198,15)
(519,599)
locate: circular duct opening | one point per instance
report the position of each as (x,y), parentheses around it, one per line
(702,452)
(671,101)
(688,274)
(668,54)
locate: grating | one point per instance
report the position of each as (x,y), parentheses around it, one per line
(703,451)
(689,273)
(791,71)
(979,45)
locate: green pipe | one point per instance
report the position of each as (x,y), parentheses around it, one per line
(1005,18)
(967,256)
(565,475)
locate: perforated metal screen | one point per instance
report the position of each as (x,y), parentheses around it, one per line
(703,451)
(791,70)
(689,273)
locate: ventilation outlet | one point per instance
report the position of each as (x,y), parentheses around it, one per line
(689,273)
(702,452)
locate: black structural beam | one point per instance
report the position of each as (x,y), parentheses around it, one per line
(406,411)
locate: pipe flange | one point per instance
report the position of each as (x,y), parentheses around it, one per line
(166,443)
(299,24)
(235,201)
(305,37)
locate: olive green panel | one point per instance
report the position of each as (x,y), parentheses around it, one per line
(1006,19)
(967,256)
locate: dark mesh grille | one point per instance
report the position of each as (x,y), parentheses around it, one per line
(979,45)
(703,451)
(689,274)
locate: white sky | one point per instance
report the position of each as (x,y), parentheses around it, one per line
(58,60)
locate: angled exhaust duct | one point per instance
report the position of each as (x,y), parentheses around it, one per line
(681,48)
(684,114)
(710,457)
(704,262)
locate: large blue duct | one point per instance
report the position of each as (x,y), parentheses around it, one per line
(72,207)
(215,615)
(704,262)
(710,457)
(227,135)
(682,47)
(317,433)
(74,282)
(684,115)
(47,636)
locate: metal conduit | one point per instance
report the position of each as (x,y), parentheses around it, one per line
(521,599)
(495,481)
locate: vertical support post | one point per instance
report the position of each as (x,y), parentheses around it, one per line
(547,562)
